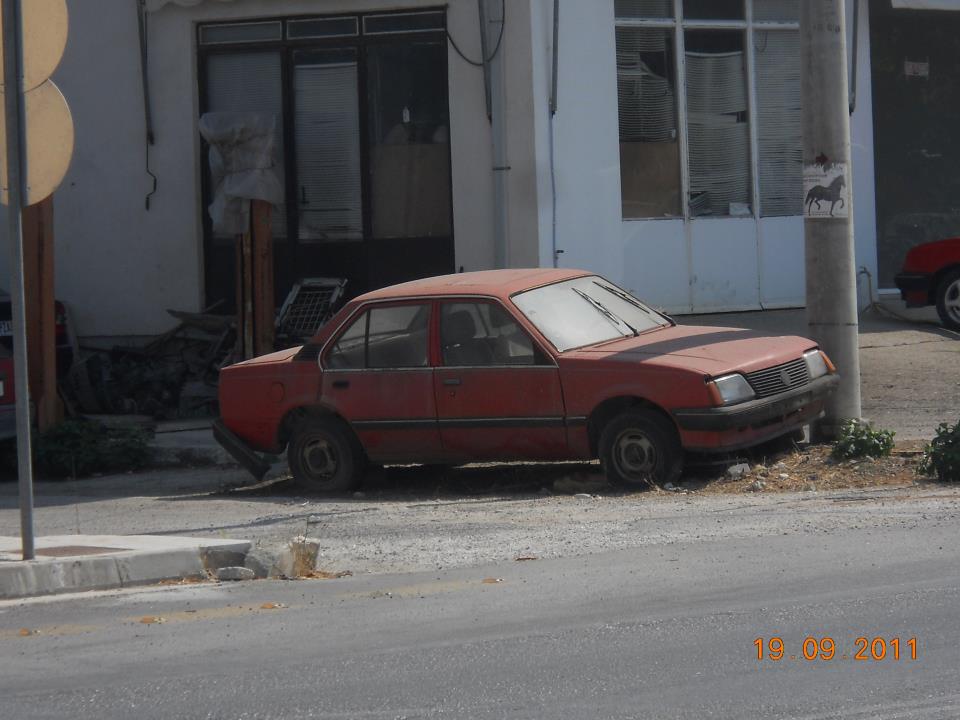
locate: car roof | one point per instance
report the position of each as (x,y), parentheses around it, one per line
(496,283)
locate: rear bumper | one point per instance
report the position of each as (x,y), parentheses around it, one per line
(914,287)
(239,450)
(779,413)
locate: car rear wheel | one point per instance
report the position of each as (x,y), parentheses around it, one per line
(323,456)
(948,299)
(639,448)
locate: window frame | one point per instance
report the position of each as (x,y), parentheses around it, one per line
(539,352)
(678,24)
(288,249)
(364,310)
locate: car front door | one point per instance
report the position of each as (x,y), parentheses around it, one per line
(378,376)
(498,393)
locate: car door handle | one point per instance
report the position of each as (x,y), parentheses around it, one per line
(341,383)
(451,381)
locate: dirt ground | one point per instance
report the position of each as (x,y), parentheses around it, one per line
(909,363)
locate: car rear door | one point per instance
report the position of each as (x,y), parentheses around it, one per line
(497,391)
(378,376)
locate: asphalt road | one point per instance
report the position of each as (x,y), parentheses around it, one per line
(660,631)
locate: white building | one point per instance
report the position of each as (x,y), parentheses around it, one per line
(671,164)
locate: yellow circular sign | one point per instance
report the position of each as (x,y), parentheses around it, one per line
(49,139)
(44,39)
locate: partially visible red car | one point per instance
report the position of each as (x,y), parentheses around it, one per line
(931,276)
(515,365)
(64,353)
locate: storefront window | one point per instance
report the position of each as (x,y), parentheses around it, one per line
(409,140)
(649,144)
(724,146)
(718,123)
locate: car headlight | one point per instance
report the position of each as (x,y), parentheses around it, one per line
(734,389)
(816,364)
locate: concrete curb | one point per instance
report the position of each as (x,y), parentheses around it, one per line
(132,560)
(185,443)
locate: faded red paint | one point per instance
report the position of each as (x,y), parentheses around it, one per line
(667,368)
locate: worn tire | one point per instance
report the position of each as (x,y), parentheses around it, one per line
(324,456)
(948,299)
(640,448)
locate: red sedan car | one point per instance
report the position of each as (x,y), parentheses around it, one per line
(510,365)
(931,276)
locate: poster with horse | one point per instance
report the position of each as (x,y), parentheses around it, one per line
(826,191)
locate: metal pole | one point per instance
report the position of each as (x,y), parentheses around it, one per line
(555,57)
(485,58)
(830,264)
(15,122)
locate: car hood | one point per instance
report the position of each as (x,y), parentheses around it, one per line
(709,350)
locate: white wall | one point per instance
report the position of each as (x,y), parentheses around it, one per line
(586,142)
(119,266)
(861,151)
(707,264)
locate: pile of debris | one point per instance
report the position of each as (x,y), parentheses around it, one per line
(173,376)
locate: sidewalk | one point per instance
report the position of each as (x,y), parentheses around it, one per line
(74,563)
(187,442)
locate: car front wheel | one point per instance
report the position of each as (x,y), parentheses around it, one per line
(323,456)
(640,448)
(948,299)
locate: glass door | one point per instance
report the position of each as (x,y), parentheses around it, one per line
(327,136)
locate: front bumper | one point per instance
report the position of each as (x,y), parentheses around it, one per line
(759,414)
(239,450)
(914,287)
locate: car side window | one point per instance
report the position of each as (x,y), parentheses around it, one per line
(349,352)
(484,334)
(398,336)
(388,337)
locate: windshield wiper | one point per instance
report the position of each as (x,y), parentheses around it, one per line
(605,311)
(626,297)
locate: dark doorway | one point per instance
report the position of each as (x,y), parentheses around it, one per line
(915,59)
(363,111)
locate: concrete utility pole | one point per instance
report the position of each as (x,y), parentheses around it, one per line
(828,216)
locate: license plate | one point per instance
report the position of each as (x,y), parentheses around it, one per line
(6,328)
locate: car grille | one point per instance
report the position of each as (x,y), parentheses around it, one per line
(771,381)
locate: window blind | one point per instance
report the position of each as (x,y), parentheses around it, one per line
(328,151)
(779,137)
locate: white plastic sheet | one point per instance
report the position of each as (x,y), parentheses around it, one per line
(243,166)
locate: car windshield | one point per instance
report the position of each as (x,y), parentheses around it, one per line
(585,311)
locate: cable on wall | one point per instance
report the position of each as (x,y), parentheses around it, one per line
(496,48)
(147,109)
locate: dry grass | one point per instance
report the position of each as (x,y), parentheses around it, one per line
(812,468)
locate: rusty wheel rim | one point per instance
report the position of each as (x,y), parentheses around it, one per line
(635,455)
(320,458)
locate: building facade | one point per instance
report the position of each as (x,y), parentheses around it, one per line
(655,142)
